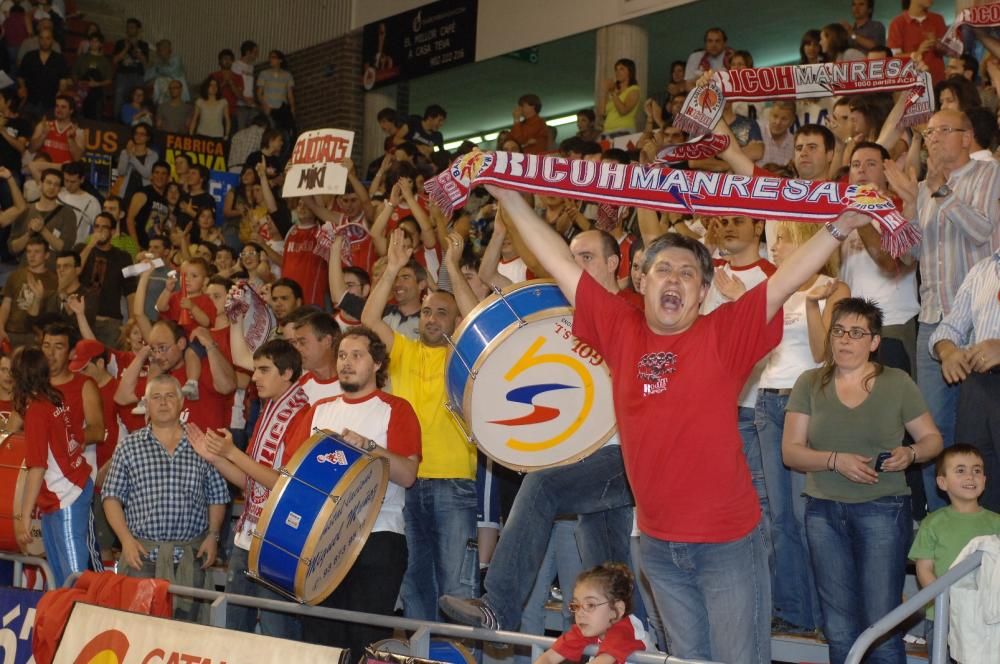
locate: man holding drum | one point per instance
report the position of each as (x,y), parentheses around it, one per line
(440,515)
(277,367)
(595,488)
(383,425)
(675,376)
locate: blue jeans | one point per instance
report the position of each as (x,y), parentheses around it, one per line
(859,557)
(942,401)
(646,594)
(751,450)
(596,489)
(793,589)
(244,618)
(443,553)
(69,539)
(713,598)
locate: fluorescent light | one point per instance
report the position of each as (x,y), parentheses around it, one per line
(564,120)
(491,137)
(455,144)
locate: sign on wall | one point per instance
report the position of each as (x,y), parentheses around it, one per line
(419,42)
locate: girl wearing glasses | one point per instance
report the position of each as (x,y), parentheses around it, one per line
(602,611)
(844,428)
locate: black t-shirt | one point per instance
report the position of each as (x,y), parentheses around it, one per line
(9,157)
(42,79)
(152,216)
(199,201)
(421,136)
(103,281)
(130,64)
(275,165)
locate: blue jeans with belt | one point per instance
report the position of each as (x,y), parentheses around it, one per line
(859,558)
(793,589)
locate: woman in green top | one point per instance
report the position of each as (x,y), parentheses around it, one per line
(844,427)
(621,99)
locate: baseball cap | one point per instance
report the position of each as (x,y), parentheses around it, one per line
(84,351)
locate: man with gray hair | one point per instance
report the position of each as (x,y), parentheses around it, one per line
(164,501)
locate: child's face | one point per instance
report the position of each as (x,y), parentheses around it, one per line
(194,279)
(593,611)
(963,477)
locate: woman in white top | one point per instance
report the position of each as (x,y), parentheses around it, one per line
(803,347)
(211,112)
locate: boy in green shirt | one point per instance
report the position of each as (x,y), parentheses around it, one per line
(945,532)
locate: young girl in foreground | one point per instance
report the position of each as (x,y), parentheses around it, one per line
(602,607)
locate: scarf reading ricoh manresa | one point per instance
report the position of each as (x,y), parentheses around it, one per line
(687,192)
(983,16)
(703,106)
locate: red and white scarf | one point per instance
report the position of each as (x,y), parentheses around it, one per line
(268,442)
(703,106)
(259,321)
(687,192)
(983,16)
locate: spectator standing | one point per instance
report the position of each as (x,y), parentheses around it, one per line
(622,96)
(714,56)
(92,73)
(15,133)
(163,68)
(51,220)
(211,112)
(137,109)
(165,503)
(425,132)
(174,114)
(914,33)
(529,129)
(83,203)
(44,74)
(276,92)
(230,83)
(865,32)
(25,290)
(135,162)
(59,138)
(104,283)
(841,418)
(245,142)
(958,208)
(244,67)
(131,55)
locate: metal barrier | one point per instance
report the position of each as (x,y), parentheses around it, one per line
(20,560)
(938,591)
(422,630)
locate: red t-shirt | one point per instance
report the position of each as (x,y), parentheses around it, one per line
(51,445)
(56,143)
(675,398)
(625,265)
(73,398)
(907,33)
(211,410)
(174,311)
(634,298)
(300,264)
(359,249)
(619,641)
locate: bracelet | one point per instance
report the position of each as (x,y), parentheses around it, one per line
(828,460)
(837,234)
(214,534)
(835,463)
(913,451)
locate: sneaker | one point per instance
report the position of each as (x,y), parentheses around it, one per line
(190,390)
(472,612)
(140,408)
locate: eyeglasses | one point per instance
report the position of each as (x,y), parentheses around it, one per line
(248,252)
(586,607)
(161,349)
(853,333)
(930,131)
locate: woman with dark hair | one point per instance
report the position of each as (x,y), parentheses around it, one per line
(58,481)
(272,142)
(622,99)
(810,52)
(136,161)
(844,428)
(211,112)
(834,42)
(136,111)
(956,93)
(677,84)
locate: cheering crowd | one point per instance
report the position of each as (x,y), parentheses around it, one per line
(790,396)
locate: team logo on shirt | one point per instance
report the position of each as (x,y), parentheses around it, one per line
(653,371)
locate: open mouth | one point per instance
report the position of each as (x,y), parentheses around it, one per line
(671,300)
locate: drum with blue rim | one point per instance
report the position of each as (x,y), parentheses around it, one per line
(530,394)
(316,519)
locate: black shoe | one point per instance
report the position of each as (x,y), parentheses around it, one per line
(472,612)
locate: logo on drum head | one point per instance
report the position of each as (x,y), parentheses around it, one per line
(526,396)
(337,458)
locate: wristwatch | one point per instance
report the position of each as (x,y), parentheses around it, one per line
(370,445)
(837,234)
(942,191)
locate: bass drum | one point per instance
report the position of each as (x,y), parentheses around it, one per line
(531,394)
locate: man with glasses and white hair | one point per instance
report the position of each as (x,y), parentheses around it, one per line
(164,501)
(957,207)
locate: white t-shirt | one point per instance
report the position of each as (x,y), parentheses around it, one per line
(514,269)
(317,389)
(792,356)
(896,294)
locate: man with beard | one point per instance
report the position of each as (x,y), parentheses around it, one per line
(383,425)
(440,515)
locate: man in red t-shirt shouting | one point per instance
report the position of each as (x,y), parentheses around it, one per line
(676,375)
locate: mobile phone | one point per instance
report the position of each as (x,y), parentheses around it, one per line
(881,459)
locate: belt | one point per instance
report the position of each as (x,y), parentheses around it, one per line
(781,392)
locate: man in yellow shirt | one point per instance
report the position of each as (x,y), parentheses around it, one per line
(440,513)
